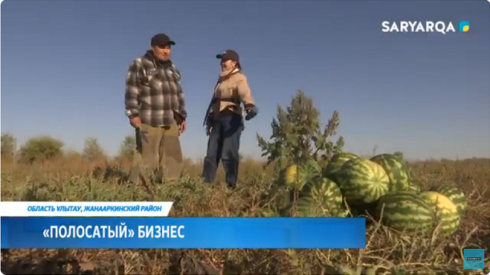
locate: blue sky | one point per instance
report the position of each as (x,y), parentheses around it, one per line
(427,94)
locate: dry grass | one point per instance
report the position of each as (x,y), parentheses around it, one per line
(390,253)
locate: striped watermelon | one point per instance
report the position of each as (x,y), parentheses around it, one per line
(320,197)
(296,176)
(308,207)
(333,167)
(399,155)
(324,192)
(363,181)
(446,212)
(454,194)
(405,211)
(414,188)
(396,170)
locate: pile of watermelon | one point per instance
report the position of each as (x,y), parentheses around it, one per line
(381,186)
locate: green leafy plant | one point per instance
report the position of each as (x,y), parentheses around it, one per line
(297,135)
(298,138)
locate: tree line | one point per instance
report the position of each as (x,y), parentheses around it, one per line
(45,147)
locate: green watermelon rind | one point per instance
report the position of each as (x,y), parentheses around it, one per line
(396,170)
(335,164)
(450,222)
(332,195)
(406,211)
(303,174)
(413,188)
(307,207)
(356,177)
(454,194)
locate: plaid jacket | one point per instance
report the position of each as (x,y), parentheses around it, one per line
(153,91)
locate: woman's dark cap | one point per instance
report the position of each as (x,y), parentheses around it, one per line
(229,55)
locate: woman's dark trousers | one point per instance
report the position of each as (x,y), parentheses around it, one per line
(224,144)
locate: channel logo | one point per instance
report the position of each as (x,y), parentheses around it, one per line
(474,258)
(464,26)
(443,27)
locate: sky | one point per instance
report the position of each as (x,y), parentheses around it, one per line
(426,94)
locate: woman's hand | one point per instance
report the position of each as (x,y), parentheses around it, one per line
(208,130)
(251,112)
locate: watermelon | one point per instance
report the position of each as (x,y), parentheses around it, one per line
(363,181)
(308,207)
(320,197)
(333,167)
(446,212)
(396,170)
(414,188)
(296,176)
(454,194)
(290,175)
(324,192)
(405,211)
(399,155)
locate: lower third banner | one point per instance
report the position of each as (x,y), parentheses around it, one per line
(183,233)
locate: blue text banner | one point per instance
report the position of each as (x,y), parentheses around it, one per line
(183,233)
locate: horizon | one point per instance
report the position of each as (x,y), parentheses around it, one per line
(424,94)
(111,157)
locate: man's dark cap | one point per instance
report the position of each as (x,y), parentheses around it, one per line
(161,39)
(229,55)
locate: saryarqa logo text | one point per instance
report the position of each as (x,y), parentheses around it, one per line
(417,26)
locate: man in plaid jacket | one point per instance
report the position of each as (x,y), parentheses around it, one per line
(155,107)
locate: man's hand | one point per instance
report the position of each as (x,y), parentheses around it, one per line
(135,121)
(208,130)
(182,127)
(251,112)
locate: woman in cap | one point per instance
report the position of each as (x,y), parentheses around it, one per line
(224,118)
